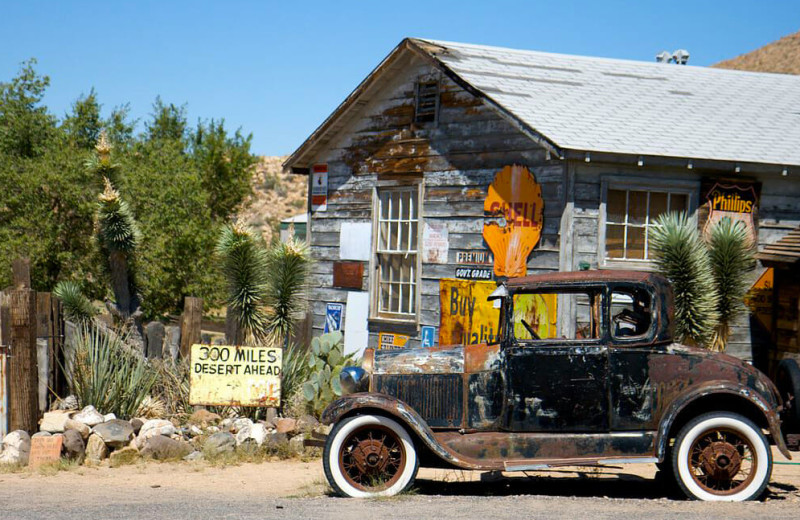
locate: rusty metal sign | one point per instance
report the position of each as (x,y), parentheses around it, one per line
(348,275)
(235,375)
(390,341)
(738,202)
(45,450)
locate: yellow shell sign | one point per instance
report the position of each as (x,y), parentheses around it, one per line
(514,209)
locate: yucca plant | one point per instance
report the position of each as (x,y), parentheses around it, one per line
(77,307)
(288,267)
(732,255)
(245,266)
(105,373)
(681,255)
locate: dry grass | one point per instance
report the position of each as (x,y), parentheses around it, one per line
(782,56)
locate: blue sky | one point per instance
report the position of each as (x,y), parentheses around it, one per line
(277,69)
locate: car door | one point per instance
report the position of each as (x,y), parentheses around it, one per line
(559,383)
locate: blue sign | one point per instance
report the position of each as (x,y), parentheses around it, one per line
(333,317)
(428,336)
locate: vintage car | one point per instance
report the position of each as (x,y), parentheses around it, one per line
(600,381)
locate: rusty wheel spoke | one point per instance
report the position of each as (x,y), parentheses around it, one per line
(721,461)
(372,458)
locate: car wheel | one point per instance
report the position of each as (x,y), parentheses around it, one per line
(788,383)
(722,456)
(368,456)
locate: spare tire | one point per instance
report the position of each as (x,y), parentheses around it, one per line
(788,383)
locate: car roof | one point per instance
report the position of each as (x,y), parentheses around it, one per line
(579,277)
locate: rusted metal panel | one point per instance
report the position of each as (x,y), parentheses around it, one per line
(437,360)
(438,398)
(348,275)
(226,375)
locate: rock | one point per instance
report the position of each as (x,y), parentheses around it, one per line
(240,423)
(74,447)
(258,433)
(152,428)
(172,343)
(137,424)
(16,448)
(124,456)
(109,417)
(204,417)
(78,426)
(41,434)
(194,456)
(272,416)
(68,403)
(275,440)
(194,431)
(296,444)
(226,423)
(286,425)
(212,429)
(222,442)
(323,429)
(88,416)
(96,449)
(243,434)
(307,423)
(116,433)
(163,448)
(154,339)
(54,422)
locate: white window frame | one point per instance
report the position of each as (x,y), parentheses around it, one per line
(690,188)
(374,280)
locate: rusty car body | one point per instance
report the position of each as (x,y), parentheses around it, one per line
(522,405)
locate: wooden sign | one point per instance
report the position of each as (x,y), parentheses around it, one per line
(513,218)
(224,375)
(348,275)
(45,450)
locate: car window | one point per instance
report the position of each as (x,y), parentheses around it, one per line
(536,316)
(631,313)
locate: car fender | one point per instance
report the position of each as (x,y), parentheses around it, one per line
(346,405)
(718,387)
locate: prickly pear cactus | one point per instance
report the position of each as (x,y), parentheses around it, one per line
(326,361)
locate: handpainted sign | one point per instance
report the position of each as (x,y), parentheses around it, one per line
(513,216)
(759,298)
(387,340)
(45,450)
(319,187)
(474,257)
(466,317)
(468,272)
(435,243)
(348,275)
(333,317)
(737,201)
(428,336)
(225,375)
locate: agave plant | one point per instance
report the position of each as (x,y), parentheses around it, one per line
(732,256)
(682,256)
(288,272)
(77,307)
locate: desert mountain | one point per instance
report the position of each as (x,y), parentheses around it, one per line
(782,56)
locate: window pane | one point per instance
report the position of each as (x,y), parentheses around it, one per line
(658,205)
(635,249)
(413,246)
(678,202)
(631,313)
(637,207)
(615,206)
(615,241)
(384,199)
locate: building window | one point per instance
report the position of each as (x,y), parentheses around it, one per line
(427,102)
(397,252)
(631,214)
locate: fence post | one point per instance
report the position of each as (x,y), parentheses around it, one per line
(5,339)
(22,366)
(21,273)
(190,324)
(233,333)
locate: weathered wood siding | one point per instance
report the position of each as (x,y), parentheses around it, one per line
(457,157)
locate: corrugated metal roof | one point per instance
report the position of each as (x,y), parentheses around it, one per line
(639,108)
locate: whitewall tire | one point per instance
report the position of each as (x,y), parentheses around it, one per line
(369,456)
(722,456)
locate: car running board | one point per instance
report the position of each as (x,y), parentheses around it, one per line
(521,465)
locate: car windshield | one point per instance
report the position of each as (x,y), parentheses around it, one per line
(536,315)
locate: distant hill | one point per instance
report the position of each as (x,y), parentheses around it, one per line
(782,56)
(276,196)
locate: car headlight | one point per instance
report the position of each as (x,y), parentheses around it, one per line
(353,380)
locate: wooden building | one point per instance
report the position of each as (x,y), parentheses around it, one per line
(451,165)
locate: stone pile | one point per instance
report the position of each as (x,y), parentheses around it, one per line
(91,437)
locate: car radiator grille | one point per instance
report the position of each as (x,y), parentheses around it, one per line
(438,398)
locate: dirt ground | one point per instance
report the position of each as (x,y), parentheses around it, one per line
(301,485)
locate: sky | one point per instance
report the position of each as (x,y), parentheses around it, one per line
(278,69)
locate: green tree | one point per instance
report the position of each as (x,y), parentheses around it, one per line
(83,124)
(25,124)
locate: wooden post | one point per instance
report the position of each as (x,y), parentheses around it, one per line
(22,365)
(190,324)
(21,273)
(5,339)
(233,333)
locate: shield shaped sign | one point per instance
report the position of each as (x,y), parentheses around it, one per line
(733,201)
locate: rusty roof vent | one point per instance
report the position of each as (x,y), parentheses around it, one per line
(427,102)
